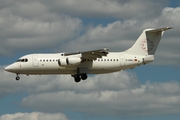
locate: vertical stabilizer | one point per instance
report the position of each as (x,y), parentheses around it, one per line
(147,42)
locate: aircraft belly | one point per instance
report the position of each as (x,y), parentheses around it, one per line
(102,71)
(48,72)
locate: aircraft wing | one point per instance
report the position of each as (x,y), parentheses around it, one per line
(91,55)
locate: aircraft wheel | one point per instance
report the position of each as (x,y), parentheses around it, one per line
(77,79)
(84,76)
(17,78)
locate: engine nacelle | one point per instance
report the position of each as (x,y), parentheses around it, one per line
(69,61)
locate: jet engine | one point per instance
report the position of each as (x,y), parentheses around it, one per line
(69,61)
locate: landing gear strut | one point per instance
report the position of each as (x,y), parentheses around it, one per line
(17,77)
(77,78)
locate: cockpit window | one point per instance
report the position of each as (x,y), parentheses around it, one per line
(25,60)
(18,60)
(22,60)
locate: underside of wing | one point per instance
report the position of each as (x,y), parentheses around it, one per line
(91,55)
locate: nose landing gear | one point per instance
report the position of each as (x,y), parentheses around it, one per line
(17,77)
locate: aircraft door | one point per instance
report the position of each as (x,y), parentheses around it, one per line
(35,61)
(122,60)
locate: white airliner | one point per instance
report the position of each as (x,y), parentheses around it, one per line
(79,64)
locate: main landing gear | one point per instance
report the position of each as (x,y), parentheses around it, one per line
(17,77)
(77,78)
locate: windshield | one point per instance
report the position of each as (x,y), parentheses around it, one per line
(22,60)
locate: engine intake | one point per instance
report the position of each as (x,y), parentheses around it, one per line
(70,61)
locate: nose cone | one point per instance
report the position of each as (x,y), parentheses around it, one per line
(8,68)
(12,68)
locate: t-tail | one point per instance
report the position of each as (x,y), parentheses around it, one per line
(147,43)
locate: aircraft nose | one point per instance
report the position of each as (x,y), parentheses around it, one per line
(11,68)
(8,68)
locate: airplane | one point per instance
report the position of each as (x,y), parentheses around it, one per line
(79,64)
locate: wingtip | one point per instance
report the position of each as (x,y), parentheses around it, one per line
(169,27)
(106,49)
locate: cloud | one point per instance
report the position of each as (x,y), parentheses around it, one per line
(148,99)
(33,116)
(114,36)
(107,8)
(103,8)
(46,31)
(116,94)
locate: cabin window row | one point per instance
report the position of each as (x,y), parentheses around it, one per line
(48,60)
(107,59)
(102,60)
(55,60)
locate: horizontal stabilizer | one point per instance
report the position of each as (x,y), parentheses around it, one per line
(159,29)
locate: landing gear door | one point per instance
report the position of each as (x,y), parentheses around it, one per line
(35,61)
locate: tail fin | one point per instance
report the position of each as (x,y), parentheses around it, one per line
(147,42)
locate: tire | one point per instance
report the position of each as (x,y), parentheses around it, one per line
(84,76)
(77,79)
(17,78)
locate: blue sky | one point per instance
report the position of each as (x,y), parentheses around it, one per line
(143,93)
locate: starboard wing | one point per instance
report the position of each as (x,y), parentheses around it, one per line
(91,55)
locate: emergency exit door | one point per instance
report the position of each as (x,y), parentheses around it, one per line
(35,60)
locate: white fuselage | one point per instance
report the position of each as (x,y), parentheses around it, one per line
(48,64)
